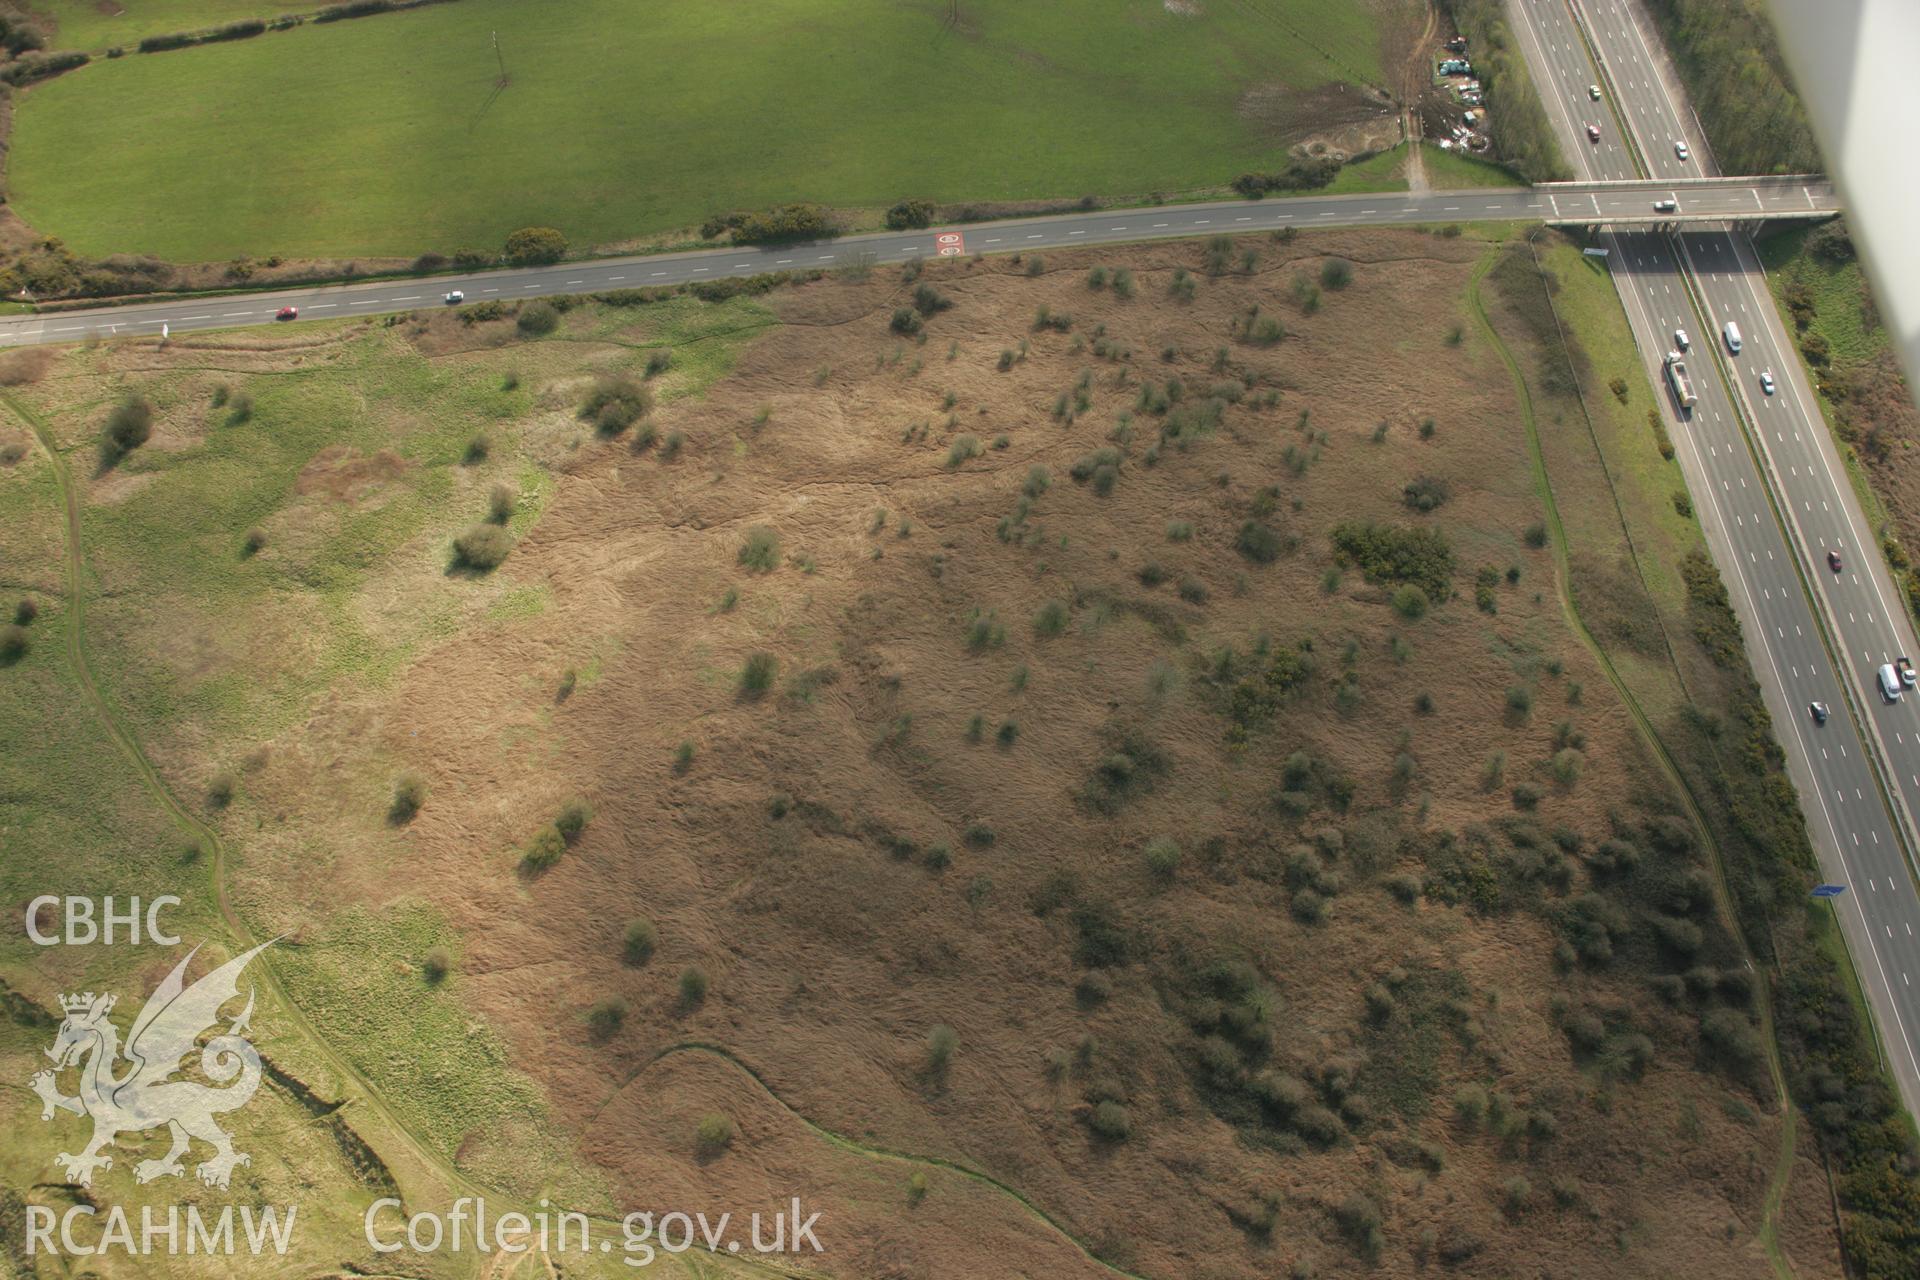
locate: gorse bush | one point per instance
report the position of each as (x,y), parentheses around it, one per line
(693,986)
(780,223)
(713,1135)
(637,942)
(910,215)
(572,819)
(1258,542)
(409,793)
(615,402)
(482,547)
(546,848)
(537,319)
(534,247)
(14,642)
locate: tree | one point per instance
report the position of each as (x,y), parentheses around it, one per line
(535,247)
(129,424)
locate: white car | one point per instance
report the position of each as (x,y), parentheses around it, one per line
(1666,206)
(1593,91)
(1766,381)
(454,299)
(1681,340)
(1680,149)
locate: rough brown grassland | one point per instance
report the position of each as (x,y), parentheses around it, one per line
(1335,1028)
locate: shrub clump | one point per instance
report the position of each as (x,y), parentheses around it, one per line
(605,1017)
(409,793)
(129,425)
(1258,542)
(637,942)
(1390,555)
(482,547)
(693,986)
(760,553)
(713,1135)
(534,247)
(782,222)
(1111,1121)
(615,403)
(756,677)
(537,319)
(544,849)
(910,215)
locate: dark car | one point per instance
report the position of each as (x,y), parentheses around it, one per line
(287,313)
(1818,711)
(1833,561)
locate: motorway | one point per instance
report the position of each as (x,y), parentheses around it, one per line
(1574,202)
(1769,571)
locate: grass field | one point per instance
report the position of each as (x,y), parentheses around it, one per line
(386,136)
(82,24)
(1458,171)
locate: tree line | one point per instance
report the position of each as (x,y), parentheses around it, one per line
(1729,57)
(1519,123)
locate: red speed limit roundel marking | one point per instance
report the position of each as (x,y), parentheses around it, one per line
(950,244)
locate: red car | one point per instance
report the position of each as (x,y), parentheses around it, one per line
(287,313)
(1833,561)
(1593,133)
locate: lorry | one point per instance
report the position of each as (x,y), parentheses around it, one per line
(1681,383)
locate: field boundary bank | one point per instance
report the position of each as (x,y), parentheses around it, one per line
(1768,1235)
(247,28)
(833,1138)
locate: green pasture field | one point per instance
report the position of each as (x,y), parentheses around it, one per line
(88,25)
(388,136)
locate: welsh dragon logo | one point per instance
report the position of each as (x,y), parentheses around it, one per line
(145,1094)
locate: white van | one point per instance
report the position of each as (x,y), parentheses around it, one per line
(1889,683)
(1732,332)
